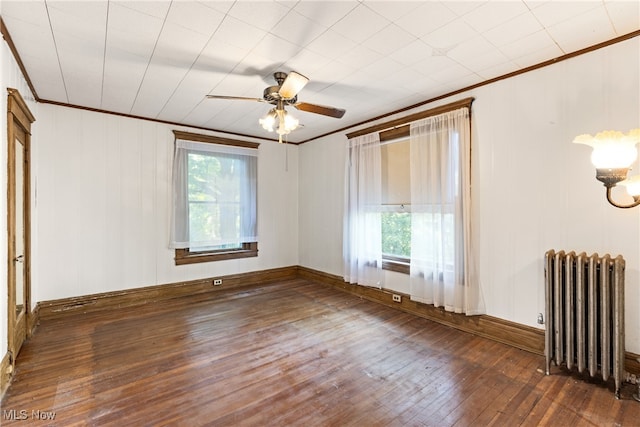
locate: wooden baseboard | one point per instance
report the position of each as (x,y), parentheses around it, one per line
(632,363)
(514,334)
(33,319)
(145,295)
(6,373)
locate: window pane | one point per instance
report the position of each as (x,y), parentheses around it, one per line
(215,187)
(396,234)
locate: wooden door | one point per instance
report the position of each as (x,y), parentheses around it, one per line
(18,222)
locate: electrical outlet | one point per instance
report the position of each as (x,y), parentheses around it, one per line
(397,298)
(217,282)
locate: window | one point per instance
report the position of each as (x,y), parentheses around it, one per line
(395,217)
(408,206)
(214,199)
(396,220)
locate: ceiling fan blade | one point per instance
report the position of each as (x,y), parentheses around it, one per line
(240,98)
(320,109)
(292,85)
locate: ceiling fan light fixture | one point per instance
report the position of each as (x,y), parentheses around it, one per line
(269,120)
(290,123)
(279,121)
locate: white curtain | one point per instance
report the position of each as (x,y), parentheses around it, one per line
(441,270)
(226,199)
(363,241)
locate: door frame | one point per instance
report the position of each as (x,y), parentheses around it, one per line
(19,120)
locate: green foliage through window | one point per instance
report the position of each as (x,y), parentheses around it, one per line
(214,200)
(396,234)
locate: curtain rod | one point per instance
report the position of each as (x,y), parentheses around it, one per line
(466,102)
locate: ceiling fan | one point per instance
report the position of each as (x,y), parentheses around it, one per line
(285,93)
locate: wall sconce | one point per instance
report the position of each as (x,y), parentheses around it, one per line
(613,154)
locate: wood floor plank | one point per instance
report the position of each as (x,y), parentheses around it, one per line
(291,353)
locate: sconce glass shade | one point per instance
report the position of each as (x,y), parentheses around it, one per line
(633,185)
(612,149)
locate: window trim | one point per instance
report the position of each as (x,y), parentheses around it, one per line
(396,263)
(185,256)
(249,249)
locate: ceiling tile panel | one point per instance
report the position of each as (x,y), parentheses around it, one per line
(392,10)
(497,70)
(513,30)
(406,79)
(195,16)
(154,8)
(596,27)
(387,40)
(176,51)
(29,29)
(298,29)
(326,13)
(360,24)
(493,14)
(448,73)
(238,33)
(359,57)
(427,18)
(234,109)
(220,57)
(307,62)
(412,53)
(331,44)
(220,6)
(382,68)
(477,54)
(260,14)
(450,35)
(133,29)
(192,91)
(434,64)
(625,16)
(242,85)
(527,59)
(536,42)
(275,48)
(50,85)
(334,71)
(554,12)
(461,8)
(203,112)
(81,57)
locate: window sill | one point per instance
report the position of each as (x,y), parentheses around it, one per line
(184,256)
(397,264)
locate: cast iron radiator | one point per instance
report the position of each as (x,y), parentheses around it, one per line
(584,303)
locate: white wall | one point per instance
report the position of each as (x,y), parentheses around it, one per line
(104,194)
(533,190)
(10,77)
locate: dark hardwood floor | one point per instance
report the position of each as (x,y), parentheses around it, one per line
(290,353)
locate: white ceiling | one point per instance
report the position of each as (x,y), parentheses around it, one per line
(158,59)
